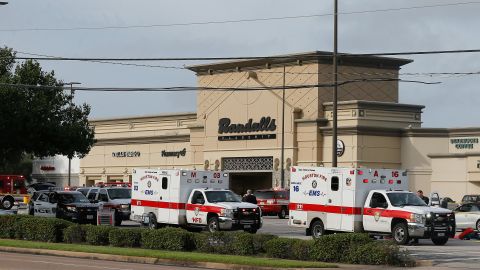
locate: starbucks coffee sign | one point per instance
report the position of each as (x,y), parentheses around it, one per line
(466,144)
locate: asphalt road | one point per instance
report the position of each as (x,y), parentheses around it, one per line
(17,261)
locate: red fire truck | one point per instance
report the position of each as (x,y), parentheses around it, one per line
(12,188)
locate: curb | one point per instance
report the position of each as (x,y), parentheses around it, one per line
(143,260)
(419,263)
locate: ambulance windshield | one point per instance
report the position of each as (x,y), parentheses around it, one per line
(221,196)
(400,199)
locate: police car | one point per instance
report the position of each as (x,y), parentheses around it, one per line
(69,205)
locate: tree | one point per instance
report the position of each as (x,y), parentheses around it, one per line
(42,120)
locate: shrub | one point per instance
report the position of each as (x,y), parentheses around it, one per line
(259,241)
(40,229)
(280,248)
(336,247)
(125,237)
(8,226)
(74,234)
(243,244)
(217,242)
(98,235)
(301,250)
(379,253)
(167,238)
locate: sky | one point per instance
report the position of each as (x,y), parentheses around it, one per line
(453,103)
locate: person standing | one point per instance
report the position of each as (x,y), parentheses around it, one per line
(420,194)
(249,197)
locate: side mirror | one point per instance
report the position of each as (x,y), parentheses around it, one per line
(201,201)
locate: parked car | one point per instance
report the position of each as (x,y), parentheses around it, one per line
(31,209)
(69,205)
(273,202)
(39,186)
(471,199)
(115,197)
(468,216)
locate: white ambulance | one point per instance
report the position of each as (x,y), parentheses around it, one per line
(376,201)
(190,199)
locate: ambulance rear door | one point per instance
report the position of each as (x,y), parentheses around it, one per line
(348,208)
(334,200)
(162,193)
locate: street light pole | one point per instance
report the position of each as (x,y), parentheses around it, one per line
(335,88)
(282,175)
(69,158)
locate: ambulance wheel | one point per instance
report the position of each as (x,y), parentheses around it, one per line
(439,241)
(283,213)
(400,233)
(317,229)
(7,203)
(213,224)
(117,218)
(152,221)
(478,225)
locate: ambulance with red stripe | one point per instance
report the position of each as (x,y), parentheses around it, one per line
(190,199)
(375,201)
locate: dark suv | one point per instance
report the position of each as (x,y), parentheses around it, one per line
(69,205)
(471,199)
(273,202)
(117,198)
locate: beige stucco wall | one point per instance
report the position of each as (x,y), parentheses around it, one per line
(144,138)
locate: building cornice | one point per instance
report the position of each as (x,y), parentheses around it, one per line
(306,57)
(144,140)
(441,132)
(319,121)
(186,115)
(375,105)
(362,130)
(454,155)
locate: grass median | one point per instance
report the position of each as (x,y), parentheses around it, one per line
(168,255)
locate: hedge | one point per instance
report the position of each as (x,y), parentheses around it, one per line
(98,235)
(342,247)
(75,234)
(168,239)
(38,228)
(131,237)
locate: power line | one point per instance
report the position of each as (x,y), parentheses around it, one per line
(235,21)
(195,88)
(305,56)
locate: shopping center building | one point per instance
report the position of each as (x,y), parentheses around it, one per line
(239,129)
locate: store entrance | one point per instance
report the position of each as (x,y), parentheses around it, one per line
(240,182)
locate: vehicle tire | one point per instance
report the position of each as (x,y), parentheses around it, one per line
(400,233)
(251,230)
(283,213)
(317,229)
(478,225)
(439,241)
(152,221)
(7,203)
(31,210)
(117,218)
(213,224)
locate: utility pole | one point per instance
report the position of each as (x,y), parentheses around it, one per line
(71,105)
(282,175)
(335,88)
